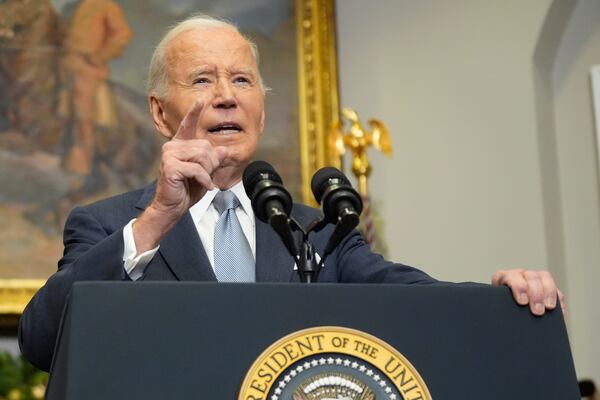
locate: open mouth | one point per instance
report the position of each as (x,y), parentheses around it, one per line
(225,128)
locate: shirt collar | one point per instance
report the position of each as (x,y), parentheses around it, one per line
(239,190)
(199,209)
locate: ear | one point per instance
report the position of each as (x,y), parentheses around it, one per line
(159,116)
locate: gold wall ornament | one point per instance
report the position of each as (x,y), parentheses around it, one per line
(358,140)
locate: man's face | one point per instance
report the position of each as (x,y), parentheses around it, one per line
(215,66)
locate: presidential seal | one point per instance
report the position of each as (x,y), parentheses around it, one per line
(332,363)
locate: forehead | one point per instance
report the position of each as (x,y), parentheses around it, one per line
(220,47)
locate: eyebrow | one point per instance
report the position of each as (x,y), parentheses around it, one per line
(200,71)
(210,71)
(245,71)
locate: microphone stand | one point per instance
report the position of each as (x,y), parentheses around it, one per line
(306,262)
(308,268)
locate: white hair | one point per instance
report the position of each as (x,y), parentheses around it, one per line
(157,72)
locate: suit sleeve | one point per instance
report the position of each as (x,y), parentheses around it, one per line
(91,253)
(357,263)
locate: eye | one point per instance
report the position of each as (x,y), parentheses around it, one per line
(242,80)
(201,80)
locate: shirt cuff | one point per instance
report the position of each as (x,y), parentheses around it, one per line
(134,266)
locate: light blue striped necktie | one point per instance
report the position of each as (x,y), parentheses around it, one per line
(233,260)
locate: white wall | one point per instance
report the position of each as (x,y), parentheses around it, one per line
(578,177)
(453,82)
(476,184)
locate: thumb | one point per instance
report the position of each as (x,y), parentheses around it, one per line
(222,153)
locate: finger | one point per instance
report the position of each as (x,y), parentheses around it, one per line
(201,176)
(191,170)
(174,172)
(197,150)
(535,292)
(187,127)
(501,277)
(516,282)
(498,278)
(222,153)
(550,290)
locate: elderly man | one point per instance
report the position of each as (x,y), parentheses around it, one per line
(206,96)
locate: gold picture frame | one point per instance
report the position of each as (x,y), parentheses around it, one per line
(318,109)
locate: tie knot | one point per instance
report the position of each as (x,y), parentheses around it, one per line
(225,200)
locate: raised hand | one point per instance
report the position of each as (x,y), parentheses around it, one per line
(186,166)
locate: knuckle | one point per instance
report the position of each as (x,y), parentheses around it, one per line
(530,275)
(167,146)
(204,147)
(536,291)
(169,170)
(498,275)
(521,285)
(546,275)
(536,296)
(197,146)
(495,279)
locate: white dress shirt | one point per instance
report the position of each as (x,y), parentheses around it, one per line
(205,217)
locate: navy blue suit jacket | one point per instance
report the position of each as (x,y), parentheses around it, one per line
(93,241)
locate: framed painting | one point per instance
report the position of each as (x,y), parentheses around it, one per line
(74,125)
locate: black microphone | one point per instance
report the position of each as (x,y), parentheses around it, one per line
(271,202)
(341,204)
(338,198)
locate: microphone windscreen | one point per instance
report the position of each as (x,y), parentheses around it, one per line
(257,171)
(321,178)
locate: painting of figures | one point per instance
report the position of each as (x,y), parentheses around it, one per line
(74,120)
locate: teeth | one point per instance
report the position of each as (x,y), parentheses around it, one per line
(225,132)
(223,128)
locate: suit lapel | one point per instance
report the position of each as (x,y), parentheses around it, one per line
(181,247)
(183,251)
(146,196)
(273,262)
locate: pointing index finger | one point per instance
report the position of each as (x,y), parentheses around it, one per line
(187,128)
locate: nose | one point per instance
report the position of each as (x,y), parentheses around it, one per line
(224,95)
